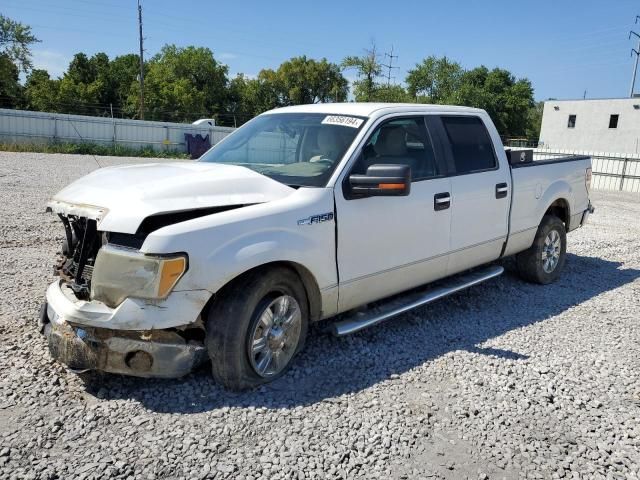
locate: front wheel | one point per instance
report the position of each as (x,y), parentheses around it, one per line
(543,261)
(256,327)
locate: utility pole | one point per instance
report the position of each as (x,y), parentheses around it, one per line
(390,66)
(141,61)
(635,67)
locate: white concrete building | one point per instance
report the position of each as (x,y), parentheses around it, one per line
(608,125)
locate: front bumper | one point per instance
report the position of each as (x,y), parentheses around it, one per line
(154,353)
(178,309)
(136,338)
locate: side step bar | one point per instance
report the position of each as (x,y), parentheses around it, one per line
(403,303)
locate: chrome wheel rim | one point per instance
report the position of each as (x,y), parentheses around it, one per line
(275,336)
(551,251)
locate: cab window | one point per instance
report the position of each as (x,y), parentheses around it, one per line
(403,141)
(470,144)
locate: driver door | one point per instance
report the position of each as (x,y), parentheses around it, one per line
(390,244)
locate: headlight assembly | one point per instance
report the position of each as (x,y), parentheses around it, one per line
(120,273)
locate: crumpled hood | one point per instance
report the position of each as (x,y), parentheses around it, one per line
(121,197)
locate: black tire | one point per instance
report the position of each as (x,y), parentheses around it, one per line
(233,317)
(531,265)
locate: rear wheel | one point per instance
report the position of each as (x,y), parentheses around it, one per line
(543,261)
(256,327)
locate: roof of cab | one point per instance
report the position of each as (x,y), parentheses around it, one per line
(368,109)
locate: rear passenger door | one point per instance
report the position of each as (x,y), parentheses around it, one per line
(479,193)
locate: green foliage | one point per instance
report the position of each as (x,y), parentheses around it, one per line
(123,78)
(84,85)
(297,81)
(10,89)
(301,80)
(534,121)
(183,84)
(434,80)
(368,88)
(41,93)
(506,99)
(91,149)
(390,94)
(249,97)
(369,69)
(15,42)
(90,86)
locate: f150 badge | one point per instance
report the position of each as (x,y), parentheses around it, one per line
(323,217)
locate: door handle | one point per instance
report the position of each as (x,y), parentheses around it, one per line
(441,201)
(501,190)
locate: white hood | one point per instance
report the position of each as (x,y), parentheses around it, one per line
(121,197)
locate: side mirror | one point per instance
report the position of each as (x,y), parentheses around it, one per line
(382,181)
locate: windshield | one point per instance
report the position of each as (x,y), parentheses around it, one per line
(297,149)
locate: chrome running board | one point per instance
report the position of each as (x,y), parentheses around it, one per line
(402,303)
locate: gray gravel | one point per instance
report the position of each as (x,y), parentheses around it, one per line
(506,380)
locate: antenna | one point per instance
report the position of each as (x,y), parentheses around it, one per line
(142,61)
(390,66)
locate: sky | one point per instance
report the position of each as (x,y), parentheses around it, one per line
(565,47)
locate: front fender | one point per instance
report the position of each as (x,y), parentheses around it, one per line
(316,253)
(224,245)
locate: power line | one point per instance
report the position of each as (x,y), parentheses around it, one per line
(390,66)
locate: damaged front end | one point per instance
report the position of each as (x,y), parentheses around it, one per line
(78,254)
(97,320)
(153,353)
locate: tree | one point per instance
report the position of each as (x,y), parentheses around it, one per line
(369,69)
(434,80)
(302,80)
(183,84)
(248,97)
(84,88)
(506,99)
(123,77)
(15,40)
(75,89)
(534,121)
(90,86)
(10,89)
(41,92)
(391,94)
(297,81)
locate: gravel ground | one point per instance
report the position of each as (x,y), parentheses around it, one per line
(506,380)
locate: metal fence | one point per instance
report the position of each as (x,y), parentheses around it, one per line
(19,126)
(611,171)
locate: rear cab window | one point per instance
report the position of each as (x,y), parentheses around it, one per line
(470,144)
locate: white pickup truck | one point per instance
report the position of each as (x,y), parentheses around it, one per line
(305,213)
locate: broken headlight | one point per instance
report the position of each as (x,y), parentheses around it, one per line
(121,273)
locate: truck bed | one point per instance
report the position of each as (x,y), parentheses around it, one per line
(535,185)
(550,160)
